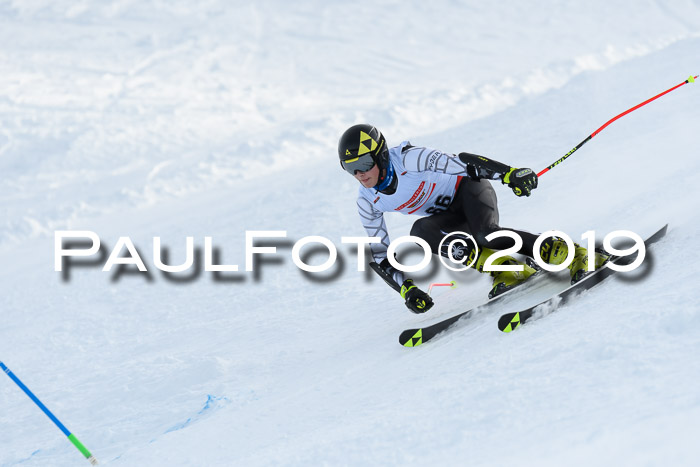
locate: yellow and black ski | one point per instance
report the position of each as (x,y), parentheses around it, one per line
(418,336)
(512,321)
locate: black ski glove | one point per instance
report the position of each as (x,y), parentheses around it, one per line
(416,300)
(522,181)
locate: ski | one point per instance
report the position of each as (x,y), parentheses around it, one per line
(511,321)
(418,336)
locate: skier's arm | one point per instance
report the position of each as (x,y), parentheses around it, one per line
(476,167)
(373,221)
(521,181)
(420,159)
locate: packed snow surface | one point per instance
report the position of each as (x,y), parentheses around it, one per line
(173,119)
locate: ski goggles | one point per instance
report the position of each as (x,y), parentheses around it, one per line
(362,163)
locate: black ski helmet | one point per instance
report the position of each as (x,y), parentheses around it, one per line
(362,139)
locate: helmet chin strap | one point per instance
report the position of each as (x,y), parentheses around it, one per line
(386,180)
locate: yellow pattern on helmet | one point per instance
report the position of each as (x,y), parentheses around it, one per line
(363,148)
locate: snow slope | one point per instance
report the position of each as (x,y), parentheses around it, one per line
(172,119)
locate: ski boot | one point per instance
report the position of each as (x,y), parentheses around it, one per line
(503,280)
(554,251)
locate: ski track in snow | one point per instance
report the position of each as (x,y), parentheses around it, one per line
(166,119)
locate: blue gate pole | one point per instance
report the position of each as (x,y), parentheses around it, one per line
(76,442)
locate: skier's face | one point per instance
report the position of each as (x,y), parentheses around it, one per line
(368,178)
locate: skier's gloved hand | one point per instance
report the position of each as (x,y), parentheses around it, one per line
(521,181)
(416,300)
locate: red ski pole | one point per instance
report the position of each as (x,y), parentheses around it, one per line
(691,79)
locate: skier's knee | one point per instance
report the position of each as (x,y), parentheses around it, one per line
(481,234)
(417,228)
(459,248)
(424,228)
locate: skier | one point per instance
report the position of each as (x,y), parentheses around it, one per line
(454,193)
